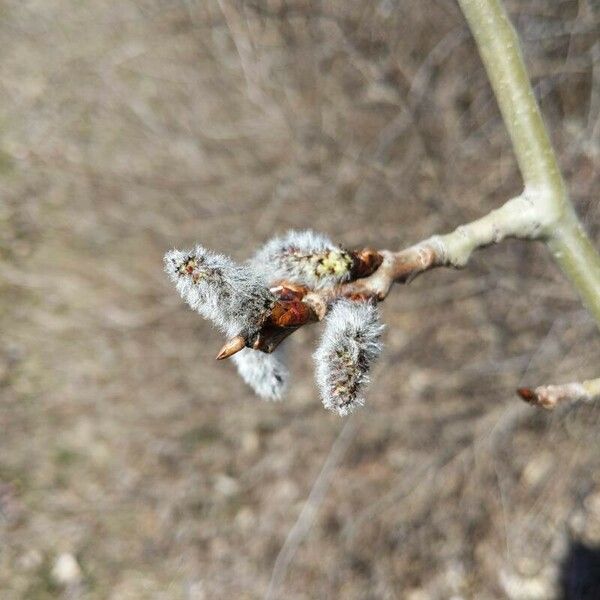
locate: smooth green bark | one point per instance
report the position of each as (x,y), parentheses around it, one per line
(558,224)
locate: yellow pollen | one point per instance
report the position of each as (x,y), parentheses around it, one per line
(334,263)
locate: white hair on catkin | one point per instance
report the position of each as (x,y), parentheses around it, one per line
(266,374)
(234,297)
(304,258)
(351,342)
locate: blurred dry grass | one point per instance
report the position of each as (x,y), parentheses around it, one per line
(128,128)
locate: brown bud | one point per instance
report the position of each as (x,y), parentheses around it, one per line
(289,291)
(290,313)
(527,394)
(233,346)
(366,262)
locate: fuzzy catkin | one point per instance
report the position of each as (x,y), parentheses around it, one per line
(351,342)
(304,258)
(234,297)
(266,374)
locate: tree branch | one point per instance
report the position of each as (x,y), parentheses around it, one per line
(518,218)
(543,211)
(549,396)
(377,271)
(560,228)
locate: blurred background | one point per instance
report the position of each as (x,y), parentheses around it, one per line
(134,466)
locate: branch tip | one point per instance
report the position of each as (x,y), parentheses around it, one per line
(541,397)
(550,396)
(527,394)
(233,346)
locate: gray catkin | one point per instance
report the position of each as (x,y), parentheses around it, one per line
(234,297)
(266,374)
(350,343)
(304,258)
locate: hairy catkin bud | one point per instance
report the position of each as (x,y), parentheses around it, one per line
(266,374)
(350,344)
(234,297)
(304,258)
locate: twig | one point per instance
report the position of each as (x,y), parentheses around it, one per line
(376,272)
(309,511)
(517,218)
(542,212)
(562,231)
(549,396)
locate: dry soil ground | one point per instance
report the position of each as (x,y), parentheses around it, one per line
(132,465)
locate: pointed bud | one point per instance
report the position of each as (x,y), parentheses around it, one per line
(366,262)
(231,347)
